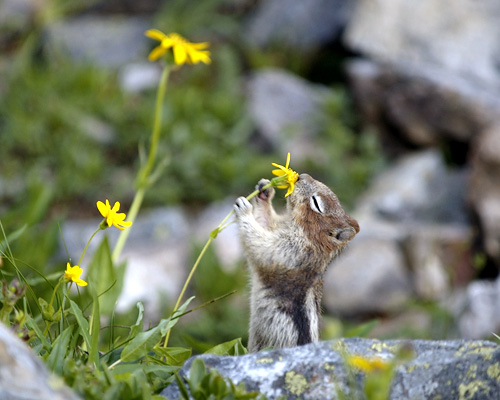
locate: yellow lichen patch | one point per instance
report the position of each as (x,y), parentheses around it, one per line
(476,348)
(472,372)
(329,367)
(493,372)
(411,368)
(381,346)
(339,346)
(468,391)
(264,361)
(295,383)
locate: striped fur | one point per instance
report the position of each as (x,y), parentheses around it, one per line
(287,256)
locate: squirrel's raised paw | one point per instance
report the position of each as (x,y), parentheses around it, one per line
(266,194)
(242,206)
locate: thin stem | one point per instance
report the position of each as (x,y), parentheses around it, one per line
(200,256)
(134,210)
(213,235)
(144,173)
(155,137)
(87,245)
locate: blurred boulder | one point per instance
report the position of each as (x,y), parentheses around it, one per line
(283,107)
(415,240)
(420,187)
(23,376)
(439,257)
(109,41)
(484,188)
(456,369)
(461,40)
(299,25)
(369,278)
(424,105)
(16,14)
(479,315)
(136,77)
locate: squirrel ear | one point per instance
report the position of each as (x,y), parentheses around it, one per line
(345,235)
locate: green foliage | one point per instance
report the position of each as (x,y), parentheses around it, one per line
(221,321)
(204,385)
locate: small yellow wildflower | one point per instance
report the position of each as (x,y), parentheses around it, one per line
(184,51)
(112,216)
(368,365)
(72,274)
(291,175)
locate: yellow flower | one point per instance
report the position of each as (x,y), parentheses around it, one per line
(72,274)
(112,216)
(291,175)
(368,365)
(184,51)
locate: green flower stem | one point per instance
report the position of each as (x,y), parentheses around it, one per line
(132,214)
(48,324)
(87,245)
(145,172)
(213,235)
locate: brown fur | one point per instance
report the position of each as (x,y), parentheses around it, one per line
(288,255)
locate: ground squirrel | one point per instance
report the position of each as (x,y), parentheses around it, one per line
(287,255)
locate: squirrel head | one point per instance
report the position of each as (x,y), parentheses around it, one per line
(318,211)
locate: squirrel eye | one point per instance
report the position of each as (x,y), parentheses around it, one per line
(316,204)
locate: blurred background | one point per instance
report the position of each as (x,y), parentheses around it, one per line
(393,104)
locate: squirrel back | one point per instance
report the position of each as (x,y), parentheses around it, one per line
(287,255)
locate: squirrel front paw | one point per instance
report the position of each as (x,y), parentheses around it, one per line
(266,194)
(242,207)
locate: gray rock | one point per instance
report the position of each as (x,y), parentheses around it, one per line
(484,188)
(17,13)
(439,257)
(481,315)
(439,370)
(462,40)
(298,24)
(369,277)
(418,187)
(424,104)
(284,107)
(110,41)
(137,77)
(23,375)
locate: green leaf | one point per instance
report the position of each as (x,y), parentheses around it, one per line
(30,322)
(141,344)
(196,374)
(363,329)
(169,323)
(107,279)
(232,348)
(174,355)
(81,321)
(13,236)
(182,387)
(144,342)
(96,328)
(59,350)
(138,326)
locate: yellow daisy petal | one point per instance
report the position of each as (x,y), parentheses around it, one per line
(180,54)
(156,53)
(155,34)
